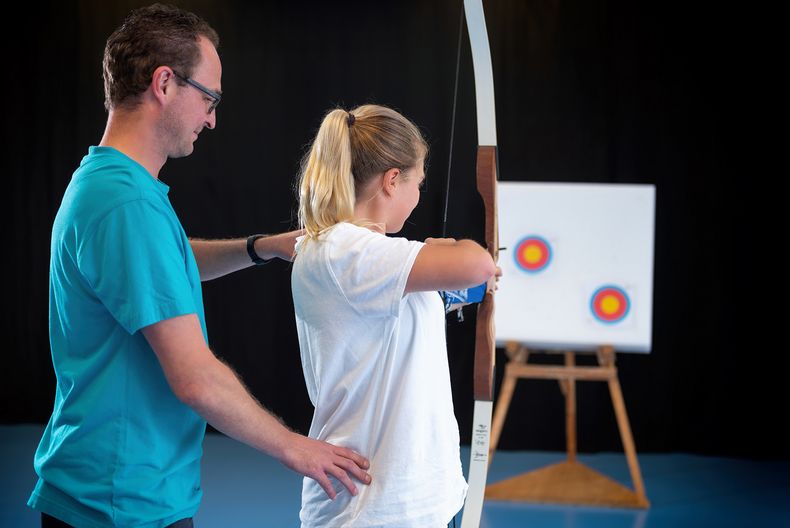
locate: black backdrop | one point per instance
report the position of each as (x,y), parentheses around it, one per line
(599,91)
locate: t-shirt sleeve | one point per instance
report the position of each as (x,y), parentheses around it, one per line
(135,261)
(371,271)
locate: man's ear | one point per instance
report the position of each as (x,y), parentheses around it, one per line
(390,180)
(162,82)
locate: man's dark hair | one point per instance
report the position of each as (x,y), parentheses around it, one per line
(153,36)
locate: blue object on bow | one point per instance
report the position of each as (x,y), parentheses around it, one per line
(465,296)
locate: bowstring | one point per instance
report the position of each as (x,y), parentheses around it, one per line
(452,125)
(460,312)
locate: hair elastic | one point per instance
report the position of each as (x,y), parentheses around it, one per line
(350,119)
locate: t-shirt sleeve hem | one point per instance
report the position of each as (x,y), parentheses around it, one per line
(161,313)
(414,250)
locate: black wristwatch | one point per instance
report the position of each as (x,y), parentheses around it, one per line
(251,250)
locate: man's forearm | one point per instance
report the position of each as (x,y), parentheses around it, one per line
(216,258)
(219,396)
(213,390)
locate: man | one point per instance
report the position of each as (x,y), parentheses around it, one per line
(136,380)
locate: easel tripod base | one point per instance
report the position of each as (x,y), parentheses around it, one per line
(566,483)
(569,482)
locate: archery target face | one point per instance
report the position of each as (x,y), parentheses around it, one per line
(532,254)
(610,304)
(578,265)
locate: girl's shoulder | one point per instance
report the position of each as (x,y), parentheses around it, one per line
(346,240)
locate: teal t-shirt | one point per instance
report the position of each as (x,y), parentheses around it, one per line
(120,449)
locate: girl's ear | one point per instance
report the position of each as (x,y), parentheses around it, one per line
(390,181)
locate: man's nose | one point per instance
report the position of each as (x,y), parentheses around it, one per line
(211,119)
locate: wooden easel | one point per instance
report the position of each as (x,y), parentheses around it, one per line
(569,482)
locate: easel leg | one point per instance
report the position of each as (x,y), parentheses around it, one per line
(502,404)
(606,358)
(569,389)
(517,354)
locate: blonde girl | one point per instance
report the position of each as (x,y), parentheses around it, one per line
(371,325)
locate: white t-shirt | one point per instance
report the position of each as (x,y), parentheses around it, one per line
(375,364)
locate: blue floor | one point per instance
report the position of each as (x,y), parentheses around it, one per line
(243,488)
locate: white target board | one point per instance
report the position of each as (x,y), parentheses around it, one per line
(577,265)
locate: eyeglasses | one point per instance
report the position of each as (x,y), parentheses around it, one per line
(216,98)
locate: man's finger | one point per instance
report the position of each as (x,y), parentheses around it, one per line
(342,476)
(354,469)
(355,457)
(325,483)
